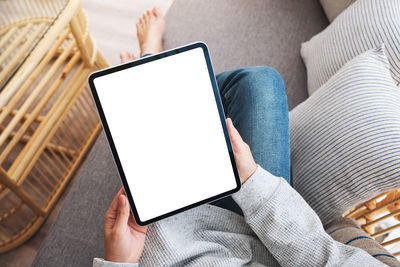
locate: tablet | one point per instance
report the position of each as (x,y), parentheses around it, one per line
(165,125)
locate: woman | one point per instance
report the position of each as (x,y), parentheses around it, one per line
(265,224)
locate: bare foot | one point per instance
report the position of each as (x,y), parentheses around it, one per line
(150,29)
(126,56)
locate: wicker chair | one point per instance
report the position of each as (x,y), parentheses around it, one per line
(376,217)
(47,119)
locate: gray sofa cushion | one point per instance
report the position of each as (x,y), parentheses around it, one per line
(252,32)
(239,33)
(77,234)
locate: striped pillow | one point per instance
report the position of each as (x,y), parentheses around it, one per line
(345,138)
(364,25)
(333,8)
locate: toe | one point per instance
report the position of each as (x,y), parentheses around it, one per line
(130,56)
(154,11)
(147,16)
(151,16)
(157,12)
(122,57)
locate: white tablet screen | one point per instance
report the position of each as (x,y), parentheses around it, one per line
(166,128)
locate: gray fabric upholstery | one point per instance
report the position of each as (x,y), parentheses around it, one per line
(77,234)
(239,33)
(252,32)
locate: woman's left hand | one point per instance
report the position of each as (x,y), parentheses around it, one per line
(244,159)
(123,238)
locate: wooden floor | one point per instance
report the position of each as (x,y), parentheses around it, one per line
(110,38)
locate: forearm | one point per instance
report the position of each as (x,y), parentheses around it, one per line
(289,228)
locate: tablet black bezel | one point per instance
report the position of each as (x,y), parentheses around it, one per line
(144,60)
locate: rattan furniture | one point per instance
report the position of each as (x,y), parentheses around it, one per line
(376,217)
(47,118)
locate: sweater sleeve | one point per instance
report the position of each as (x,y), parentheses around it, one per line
(97,262)
(289,228)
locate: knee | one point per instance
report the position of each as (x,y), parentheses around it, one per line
(262,83)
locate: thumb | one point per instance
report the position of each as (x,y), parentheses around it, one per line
(123,213)
(237,141)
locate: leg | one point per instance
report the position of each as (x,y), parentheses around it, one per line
(255,99)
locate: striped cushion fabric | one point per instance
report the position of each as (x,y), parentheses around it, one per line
(363,26)
(333,8)
(345,138)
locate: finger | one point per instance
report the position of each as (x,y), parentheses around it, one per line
(237,134)
(114,204)
(136,227)
(123,213)
(236,139)
(112,211)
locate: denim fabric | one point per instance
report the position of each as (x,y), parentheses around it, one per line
(255,99)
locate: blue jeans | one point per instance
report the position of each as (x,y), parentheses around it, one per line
(255,99)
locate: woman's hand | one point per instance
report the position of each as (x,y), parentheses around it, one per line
(123,238)
(244,159)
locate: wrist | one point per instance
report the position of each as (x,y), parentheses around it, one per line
(122,254)
(257,191)
(246,167)
(98,262)
(248,173)
(120,259)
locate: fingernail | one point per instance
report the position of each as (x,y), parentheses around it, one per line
(122,198)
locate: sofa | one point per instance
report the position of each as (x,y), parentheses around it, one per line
(238,33)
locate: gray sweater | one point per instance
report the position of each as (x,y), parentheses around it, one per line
(278,229)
